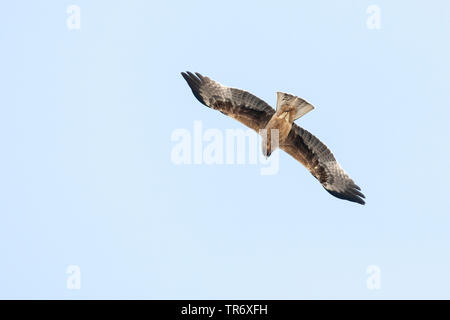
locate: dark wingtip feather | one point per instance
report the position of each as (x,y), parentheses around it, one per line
(353,196)
(357,192)
(194,83)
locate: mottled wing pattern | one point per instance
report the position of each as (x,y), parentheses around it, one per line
(319,160)
(238,104)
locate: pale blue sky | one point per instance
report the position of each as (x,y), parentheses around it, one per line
(86,176)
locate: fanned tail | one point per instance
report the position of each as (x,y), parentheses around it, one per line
(302,106)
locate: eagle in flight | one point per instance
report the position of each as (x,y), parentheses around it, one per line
(293,139)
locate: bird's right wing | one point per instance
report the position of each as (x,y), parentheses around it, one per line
(238,104)
(319,160)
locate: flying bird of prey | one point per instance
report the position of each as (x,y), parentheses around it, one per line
(261,117)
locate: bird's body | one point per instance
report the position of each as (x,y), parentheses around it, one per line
(275,133)
(278,129)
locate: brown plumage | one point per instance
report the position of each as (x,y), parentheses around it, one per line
(296,141)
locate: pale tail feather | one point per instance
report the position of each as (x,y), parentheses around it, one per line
(302,106)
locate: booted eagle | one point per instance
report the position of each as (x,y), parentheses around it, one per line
(261,117)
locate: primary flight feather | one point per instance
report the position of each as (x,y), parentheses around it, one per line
(293,139)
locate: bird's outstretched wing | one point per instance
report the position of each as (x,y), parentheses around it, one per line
(319,160)
(238,104)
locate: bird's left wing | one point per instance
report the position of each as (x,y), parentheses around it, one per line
(236,103)
(319,160)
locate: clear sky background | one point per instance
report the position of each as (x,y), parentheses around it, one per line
(86,176)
